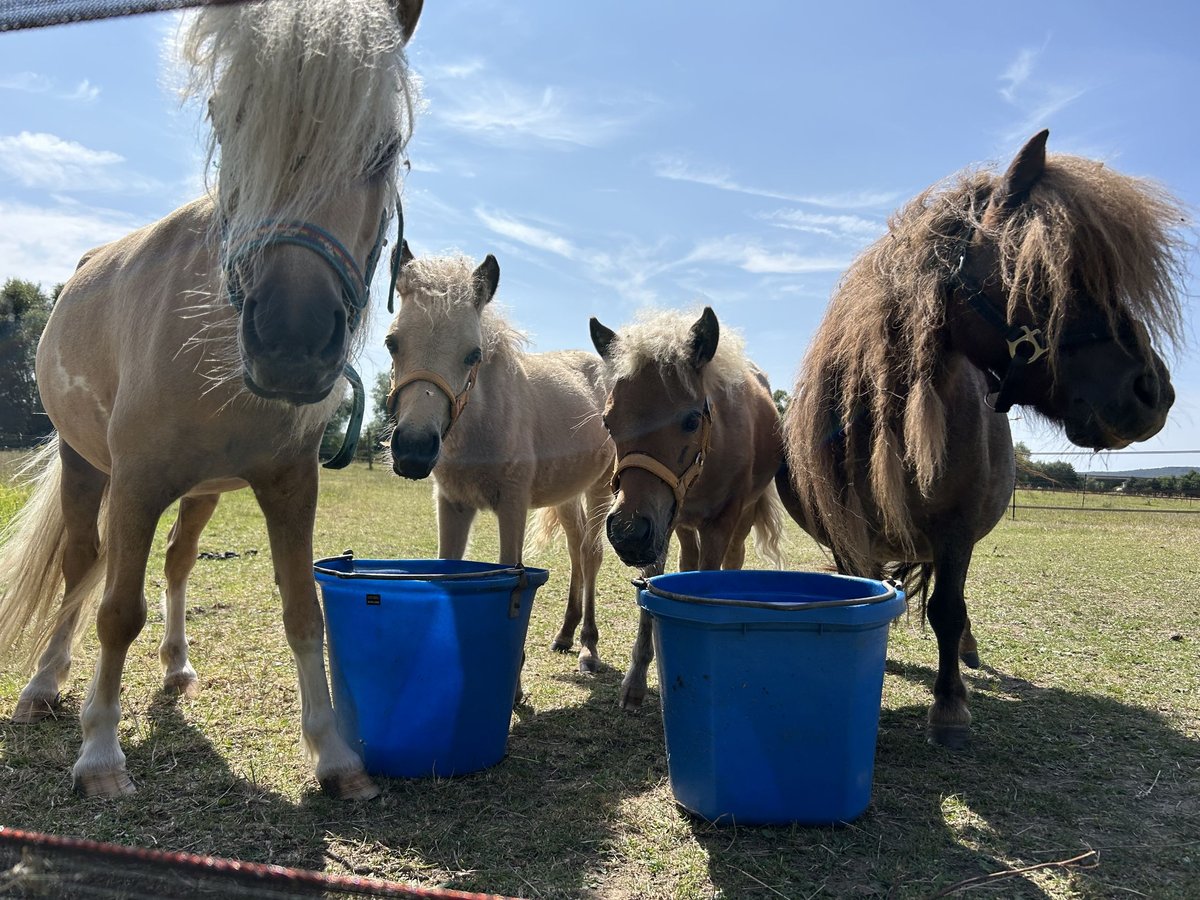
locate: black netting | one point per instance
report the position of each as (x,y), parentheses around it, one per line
(16,14)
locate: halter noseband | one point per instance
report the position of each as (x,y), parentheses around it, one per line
(1026,345)
(356,290)
(458,402)
(679,484)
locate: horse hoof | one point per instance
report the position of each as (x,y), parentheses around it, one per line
(30,711)
(970,659)
(589,665)
(350,786)
(185,684)
(108,785)
(632,698)
(559,647)
(952,737)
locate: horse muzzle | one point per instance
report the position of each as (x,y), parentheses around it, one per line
(1135,412)
(415,453)
(635,539)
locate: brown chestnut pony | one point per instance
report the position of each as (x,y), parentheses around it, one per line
(1047,286)
(698,444)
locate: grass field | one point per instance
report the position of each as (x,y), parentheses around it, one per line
(1086,735)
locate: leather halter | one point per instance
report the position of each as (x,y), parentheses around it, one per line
(356,291)
(679,484)
(1026,345)
(458,402)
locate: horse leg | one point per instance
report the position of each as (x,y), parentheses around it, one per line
(511,517)
(454,527)
(591,556)
(288,498)
(182,545)
(570,518)
(633,685)
(968,649)
(133,512)
(949,718)
(689,549)
(80,495)
(735,556)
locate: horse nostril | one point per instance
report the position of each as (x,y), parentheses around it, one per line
(641,528)
(1146,389)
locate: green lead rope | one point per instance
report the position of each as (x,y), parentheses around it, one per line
(358,407)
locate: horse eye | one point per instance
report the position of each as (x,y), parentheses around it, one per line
(691,421)
(473,357)
(390,343)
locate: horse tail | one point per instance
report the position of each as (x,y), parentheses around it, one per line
(543,529)
(32,547)
(768,526)
(916,579)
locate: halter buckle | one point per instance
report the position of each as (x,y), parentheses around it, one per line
(1032,337)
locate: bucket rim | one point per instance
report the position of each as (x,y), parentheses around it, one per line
(518,571)
(647,585)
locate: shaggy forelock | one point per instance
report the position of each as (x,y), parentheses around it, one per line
(306,95)
(662,338)
(441,286)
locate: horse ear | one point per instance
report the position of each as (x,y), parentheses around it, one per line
(1026,169)
(406,254)
(487,279)
(603,337)
(407,12)
(704,337)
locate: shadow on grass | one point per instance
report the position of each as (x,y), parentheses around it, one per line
(1049,774)
(540,822)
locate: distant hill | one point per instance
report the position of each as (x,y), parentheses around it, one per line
(1160,472)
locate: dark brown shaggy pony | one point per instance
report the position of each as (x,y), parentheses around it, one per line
(1047,287)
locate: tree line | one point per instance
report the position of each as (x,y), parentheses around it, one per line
(1057,475)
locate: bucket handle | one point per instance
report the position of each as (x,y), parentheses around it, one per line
(643,584)
(519,571)
(514,599)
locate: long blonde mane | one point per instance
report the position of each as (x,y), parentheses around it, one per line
(871,376)
(662,338)
(443,287)
(305,97)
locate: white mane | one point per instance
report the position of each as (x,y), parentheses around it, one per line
(661,337)
(306,96)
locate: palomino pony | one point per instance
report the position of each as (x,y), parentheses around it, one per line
(529,437)
(1045,286)
(201,354)
(697,437)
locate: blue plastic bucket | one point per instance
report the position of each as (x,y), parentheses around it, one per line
(771,685)
(424,657)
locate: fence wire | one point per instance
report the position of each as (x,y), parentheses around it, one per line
(34,865)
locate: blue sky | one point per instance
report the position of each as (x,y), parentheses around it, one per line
(667,153)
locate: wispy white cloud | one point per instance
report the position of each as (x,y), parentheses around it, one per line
(497,110)
(29,82)
(753,257)
(44,244)
(46,161)
(1038,99)
(41,160)
(85,92)
(840,226)
(676,168)
(530,235)
(1017,73)
(464,69)
(36,83)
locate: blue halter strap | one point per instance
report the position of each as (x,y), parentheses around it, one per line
(356,292)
